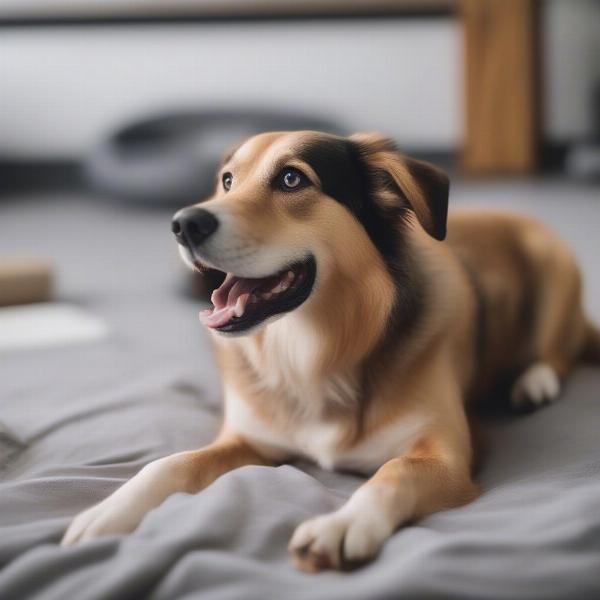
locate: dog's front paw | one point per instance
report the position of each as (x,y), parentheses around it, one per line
(123,511)
(339,540)
(109,517)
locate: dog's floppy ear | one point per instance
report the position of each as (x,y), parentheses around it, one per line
(422,185)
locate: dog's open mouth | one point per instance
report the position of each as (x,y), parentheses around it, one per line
(241,303)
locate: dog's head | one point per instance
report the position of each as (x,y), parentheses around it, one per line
(292,210)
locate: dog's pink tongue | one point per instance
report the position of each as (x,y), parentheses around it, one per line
(229,300)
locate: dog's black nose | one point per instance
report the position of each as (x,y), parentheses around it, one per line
(193,226)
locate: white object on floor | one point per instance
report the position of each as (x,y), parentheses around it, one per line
(47,324)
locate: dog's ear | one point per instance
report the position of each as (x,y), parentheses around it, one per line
(422,185)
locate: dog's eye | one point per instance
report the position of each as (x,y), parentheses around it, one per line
(291,179)
(227,180)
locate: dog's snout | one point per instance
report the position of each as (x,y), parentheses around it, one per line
(194,225)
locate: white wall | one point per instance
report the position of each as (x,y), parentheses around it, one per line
(571,64)
(60,88)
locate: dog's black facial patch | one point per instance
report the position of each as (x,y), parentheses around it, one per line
(342,166)
(346,178)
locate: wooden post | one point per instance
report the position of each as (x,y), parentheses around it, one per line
(501,86)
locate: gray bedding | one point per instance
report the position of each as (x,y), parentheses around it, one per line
(76,422)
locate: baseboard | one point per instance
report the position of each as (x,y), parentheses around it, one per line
(552,156)
(20,175)
(46,174)
(32,175)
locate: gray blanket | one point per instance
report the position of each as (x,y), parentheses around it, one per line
(76,422)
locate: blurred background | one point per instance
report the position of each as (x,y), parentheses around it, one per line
(114,113)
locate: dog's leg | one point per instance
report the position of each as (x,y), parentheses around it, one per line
(187,472)
(558,329)
(428,479)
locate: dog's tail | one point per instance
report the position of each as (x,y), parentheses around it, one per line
(591,346)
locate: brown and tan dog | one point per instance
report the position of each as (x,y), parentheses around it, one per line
(348,332)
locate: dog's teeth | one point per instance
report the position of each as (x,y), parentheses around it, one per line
(239,307)
(280,287)
(253,299)
(267,295)
(289,275)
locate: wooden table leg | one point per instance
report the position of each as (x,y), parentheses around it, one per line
(501,86)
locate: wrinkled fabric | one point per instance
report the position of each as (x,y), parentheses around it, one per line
(78,421)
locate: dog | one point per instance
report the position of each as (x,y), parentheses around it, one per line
(352,331)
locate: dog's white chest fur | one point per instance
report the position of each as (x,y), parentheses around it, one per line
(321,441)
(285,370)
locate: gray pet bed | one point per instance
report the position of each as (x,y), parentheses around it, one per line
(172,158)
